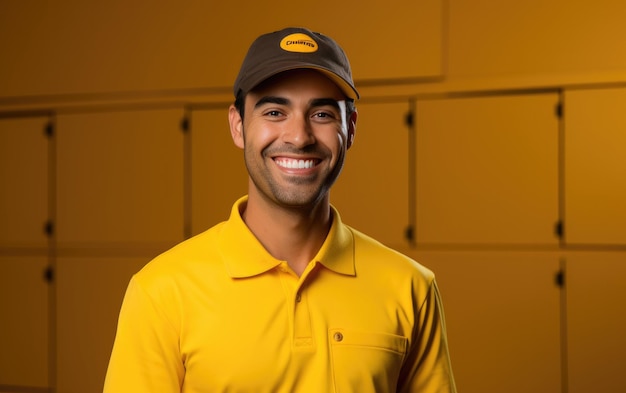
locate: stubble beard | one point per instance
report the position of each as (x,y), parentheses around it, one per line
(301,193)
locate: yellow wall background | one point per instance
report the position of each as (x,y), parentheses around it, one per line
(114,146)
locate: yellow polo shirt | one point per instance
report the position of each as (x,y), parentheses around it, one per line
(218,313)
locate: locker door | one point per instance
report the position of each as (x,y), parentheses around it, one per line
(218,172)
(596,321)
(89,296)
(503,318)
(24,292)
(372,192)
(595,167)
(24,180)
(487,170)
(120,179)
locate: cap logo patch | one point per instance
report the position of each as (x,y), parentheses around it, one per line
(298,42)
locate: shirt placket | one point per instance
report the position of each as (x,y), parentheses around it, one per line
(295,290)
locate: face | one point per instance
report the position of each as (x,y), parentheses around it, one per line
(294,136)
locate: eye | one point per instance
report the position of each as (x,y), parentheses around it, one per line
(273,113)
(324,115)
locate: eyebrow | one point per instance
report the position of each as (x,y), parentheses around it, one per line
(325,102)
(271,100)
(317,102)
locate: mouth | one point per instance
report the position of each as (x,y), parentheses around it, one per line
(293,163)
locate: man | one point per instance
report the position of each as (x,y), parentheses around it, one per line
(284,297)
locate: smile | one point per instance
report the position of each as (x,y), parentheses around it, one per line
(294,164)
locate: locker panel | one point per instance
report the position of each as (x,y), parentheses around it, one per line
(24,327)
(89,297)
(372,192)
(174,46)
(120,179)
(595,167)
(218,171)
(596,321)
(24,160)
(487,170)
(503,318)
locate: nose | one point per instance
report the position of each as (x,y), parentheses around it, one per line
(298,132)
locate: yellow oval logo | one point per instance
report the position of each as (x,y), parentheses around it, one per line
(298,42)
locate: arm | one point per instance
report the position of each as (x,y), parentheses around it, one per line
(146,356)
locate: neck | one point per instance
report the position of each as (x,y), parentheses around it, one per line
(294,235)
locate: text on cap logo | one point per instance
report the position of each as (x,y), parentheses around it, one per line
(298,42)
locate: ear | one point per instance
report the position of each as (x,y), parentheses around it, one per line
(352,128)
(236,126)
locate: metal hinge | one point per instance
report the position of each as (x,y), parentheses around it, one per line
(48,274)
(48,228)
(409,233)
(185,124)
(558,110)
(409,119)
(559,278)
(49,129)
(558,229)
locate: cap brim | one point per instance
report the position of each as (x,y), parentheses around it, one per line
(345,87)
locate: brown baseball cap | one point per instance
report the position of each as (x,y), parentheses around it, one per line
(294,48)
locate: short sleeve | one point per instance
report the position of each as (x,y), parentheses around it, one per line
(146,356)
(427,368)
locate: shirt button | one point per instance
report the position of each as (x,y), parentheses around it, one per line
(338,336)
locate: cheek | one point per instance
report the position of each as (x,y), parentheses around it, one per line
(257,136)
(335,144)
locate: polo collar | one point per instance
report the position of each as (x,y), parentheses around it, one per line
(244,256)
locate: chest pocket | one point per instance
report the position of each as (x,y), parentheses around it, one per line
(365,361)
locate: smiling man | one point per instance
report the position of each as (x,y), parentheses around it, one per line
(284,297)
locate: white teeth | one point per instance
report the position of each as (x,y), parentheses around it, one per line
(295,164)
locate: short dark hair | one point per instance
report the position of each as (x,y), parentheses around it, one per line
(240,103)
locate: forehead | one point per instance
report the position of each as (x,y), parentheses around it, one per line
(301,82)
